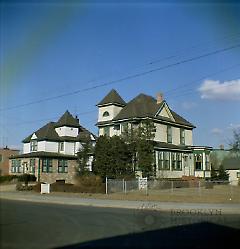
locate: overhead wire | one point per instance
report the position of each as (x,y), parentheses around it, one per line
(125,78)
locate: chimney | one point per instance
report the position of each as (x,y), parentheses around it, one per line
(159,98)
(76,117)
(221,147)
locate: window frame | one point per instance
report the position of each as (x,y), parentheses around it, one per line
(63,165)
(198,160)
(16,166)
(33,145)
(169,134)
(61,146)
(106,131)
(47,165)
(32,165)
(182,136)
(106,114)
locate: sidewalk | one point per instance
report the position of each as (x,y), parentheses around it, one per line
(68,199)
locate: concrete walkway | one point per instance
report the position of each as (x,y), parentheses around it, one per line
(68,199)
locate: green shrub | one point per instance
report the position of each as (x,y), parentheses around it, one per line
(7,178)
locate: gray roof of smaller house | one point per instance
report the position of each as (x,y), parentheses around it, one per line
(112,98)
(231,163)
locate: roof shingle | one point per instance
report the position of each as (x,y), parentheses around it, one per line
(112,98)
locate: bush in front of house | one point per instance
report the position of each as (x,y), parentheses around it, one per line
(90,184)
(85,184)
(7,178)
(23,187)
(26,178)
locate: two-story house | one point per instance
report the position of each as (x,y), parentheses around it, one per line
(50,153)
(175,155)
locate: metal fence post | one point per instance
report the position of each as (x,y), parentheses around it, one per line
(125,187)
(106,186)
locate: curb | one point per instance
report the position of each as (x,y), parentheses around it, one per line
(125,204)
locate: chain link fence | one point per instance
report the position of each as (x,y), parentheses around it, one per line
(167,189)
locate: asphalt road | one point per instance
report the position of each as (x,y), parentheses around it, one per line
(38,225)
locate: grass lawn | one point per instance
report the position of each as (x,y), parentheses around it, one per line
(219,194)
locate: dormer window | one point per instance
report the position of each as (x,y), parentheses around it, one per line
(33,145)
(105,114)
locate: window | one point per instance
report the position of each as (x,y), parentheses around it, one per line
(169,134)
(163,160)
(124,127)
(238,174)
(47,165)
(32,165)
(62,166)
(61,146)
(166,160)
(106,131)
(1,158)
(117,127)
(198,162)
(16,166)
(33,145)
(105,114)
(174,161)
(182,136)
(207,162)
(179,161)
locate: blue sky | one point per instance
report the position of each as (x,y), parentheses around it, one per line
(50,48)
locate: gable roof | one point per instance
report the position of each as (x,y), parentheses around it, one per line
(112,98)
(67,120)
(141,106)
(144,106)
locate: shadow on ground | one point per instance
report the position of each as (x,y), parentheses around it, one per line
(199,235)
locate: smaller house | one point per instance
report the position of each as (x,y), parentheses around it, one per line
(229,161)
(50,153)
(232,166)
(5,153)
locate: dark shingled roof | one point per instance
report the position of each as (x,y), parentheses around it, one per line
(112,98)
(67,120)
(48,132)
(41,154)
(144,106)
(162,145)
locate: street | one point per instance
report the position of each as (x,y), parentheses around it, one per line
(40,225)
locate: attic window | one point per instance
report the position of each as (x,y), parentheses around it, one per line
(105,114)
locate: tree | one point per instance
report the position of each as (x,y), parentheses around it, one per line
(222,174)
(214,175)
(83,155)
(141,146)
(235,143)
(112,157)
